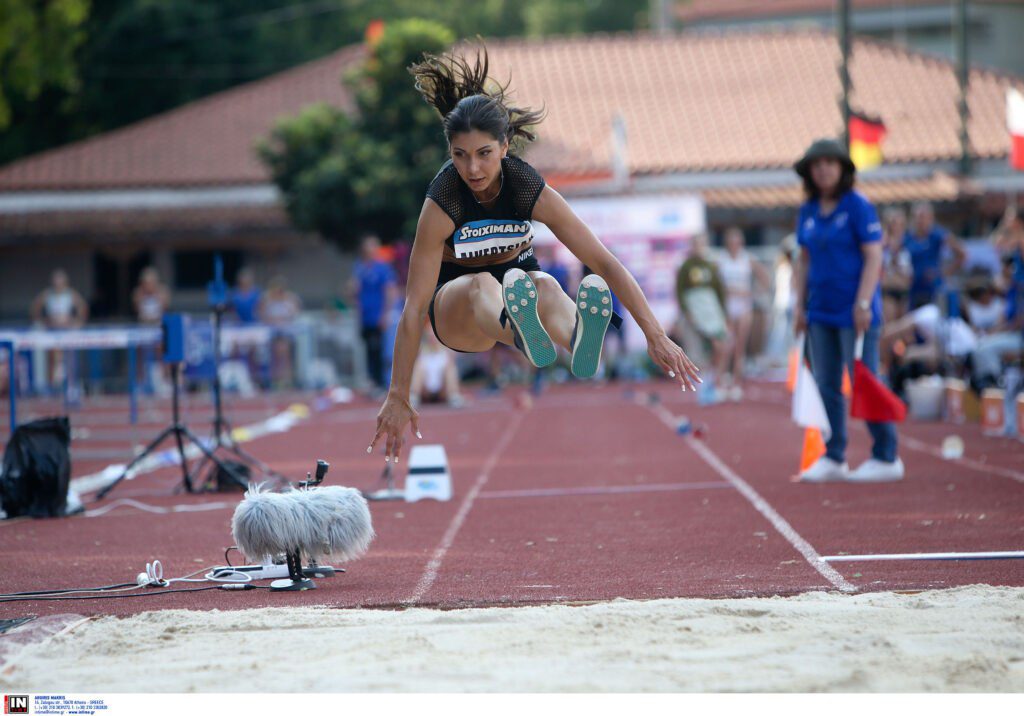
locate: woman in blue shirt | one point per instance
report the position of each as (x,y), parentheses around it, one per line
(838,299)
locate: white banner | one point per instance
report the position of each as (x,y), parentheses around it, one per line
(650,235)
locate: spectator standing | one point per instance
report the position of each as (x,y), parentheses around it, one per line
(279,308)
(838,300)
(897,267)
(701,296)
(925,242)
(150,298)
(59,307)
(374,289)
(245,298)
(738,271)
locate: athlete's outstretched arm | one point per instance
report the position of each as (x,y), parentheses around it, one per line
(553,210)
(433,228)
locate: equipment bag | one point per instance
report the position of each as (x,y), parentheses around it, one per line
(37,469)
(234,479)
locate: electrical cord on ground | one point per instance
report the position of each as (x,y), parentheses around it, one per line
(230,579)
(120,596)
(41,592)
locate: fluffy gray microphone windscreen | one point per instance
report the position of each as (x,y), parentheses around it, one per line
(331,522)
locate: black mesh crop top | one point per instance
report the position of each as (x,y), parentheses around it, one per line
(485,236)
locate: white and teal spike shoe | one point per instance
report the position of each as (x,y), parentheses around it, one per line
(593,314)
(520,295)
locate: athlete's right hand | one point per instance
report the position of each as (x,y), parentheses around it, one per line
(391,421)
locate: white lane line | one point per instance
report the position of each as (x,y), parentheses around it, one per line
(759,503)
(921,446)
(157,509)
(605,490)
(923,556)
(434,565)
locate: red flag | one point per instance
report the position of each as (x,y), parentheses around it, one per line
(871,400)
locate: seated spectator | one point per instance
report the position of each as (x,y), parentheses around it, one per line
(1005,340)
(435,377)
(279,308)
(984,309)
(922,340)
(245,298)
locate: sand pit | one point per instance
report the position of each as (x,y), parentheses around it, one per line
(964,639)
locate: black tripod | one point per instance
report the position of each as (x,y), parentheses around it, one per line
(222,438)
(181,433)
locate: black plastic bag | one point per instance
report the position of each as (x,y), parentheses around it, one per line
(37,469)
(234,479)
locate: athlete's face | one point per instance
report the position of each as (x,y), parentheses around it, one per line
(477,157)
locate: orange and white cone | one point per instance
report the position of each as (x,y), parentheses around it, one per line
(814,448)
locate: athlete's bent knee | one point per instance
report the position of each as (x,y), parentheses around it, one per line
(484,284)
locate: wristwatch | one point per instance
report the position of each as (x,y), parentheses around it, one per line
(864,305)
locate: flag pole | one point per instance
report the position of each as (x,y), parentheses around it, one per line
(843,26)
(963,80)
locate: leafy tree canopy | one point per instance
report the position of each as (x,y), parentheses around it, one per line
(342,175)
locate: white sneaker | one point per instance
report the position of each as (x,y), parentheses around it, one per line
(825,470)
(878,471)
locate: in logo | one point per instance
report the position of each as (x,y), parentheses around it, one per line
(15,704)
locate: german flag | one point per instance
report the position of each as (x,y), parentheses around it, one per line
(866,135)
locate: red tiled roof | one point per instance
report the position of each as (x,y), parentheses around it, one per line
(737,100)
(700,10)
(938,187)
(691,102)
(206,142)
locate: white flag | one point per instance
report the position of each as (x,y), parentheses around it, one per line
(1015,123)
(808,407)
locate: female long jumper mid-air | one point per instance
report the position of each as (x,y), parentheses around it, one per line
(472,270)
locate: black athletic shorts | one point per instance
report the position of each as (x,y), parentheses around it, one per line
(449,272)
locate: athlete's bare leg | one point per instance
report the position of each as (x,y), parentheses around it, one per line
(466,312)
(557,311)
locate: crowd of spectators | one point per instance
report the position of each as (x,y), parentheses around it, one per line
(947,310)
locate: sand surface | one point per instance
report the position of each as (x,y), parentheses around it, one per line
(964,639)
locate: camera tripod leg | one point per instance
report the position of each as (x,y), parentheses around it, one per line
(135,461)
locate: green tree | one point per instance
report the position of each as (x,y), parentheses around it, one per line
(37,48)
(136,58)
(342,175)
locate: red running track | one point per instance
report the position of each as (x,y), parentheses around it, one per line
(588,495)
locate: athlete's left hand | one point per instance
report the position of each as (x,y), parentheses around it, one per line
(670,357)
